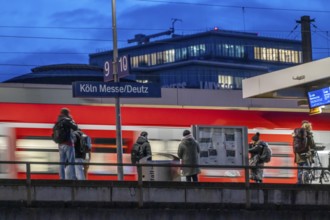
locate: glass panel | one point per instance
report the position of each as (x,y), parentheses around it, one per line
(153,59)
(225,82)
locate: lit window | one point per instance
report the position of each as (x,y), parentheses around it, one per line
(153,59)
(184,53)
(135,61)
(274,54)
(160,58)
(225,82)
(239,51)
(257,53)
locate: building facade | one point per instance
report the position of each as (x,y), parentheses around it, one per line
(209,60)
(214,59)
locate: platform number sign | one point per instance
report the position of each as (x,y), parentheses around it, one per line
(123,68)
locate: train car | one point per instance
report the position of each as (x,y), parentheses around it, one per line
(26,130)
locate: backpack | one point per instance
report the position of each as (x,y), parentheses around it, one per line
(60,132)
(137,153)
(300,140)
(266,154)
(85,143)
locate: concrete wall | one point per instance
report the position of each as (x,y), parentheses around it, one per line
(84,213)
(54,199)
(164,192)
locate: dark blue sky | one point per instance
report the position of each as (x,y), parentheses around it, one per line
(39,32)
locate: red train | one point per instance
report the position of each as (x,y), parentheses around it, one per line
(25,131)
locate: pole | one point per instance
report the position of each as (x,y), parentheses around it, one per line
(120,172)
(305,22)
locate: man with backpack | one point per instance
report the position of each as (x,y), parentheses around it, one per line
(260,154)
(82,147)
(62,135)
(303,142)
(141,148)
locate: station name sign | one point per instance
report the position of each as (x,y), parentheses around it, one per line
(120,89)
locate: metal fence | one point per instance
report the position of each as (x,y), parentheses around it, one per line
(140,174)
(142,166)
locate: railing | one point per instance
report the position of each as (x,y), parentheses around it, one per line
(140,167)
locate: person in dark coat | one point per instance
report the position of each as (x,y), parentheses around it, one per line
(188,152)
(301,159)
(66,147)
(145,145)
(255,149)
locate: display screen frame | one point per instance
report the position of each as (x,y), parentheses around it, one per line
(320,93)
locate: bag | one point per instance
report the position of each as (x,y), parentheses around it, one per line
(300,140)
(85,143)
(266,154)
(254,160)
(60,132)
(137,153)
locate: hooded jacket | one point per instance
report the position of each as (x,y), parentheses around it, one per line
(145,145)
(188,152)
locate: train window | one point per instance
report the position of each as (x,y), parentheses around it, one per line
(280,148)
(279,161)
(37,150)
(36,144)
(157,146)
(172,147)
(107,145)
(109,170)
(164,146)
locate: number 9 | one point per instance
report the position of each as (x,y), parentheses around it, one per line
(107,68)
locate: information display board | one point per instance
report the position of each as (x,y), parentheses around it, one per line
(319,97)
(222,145)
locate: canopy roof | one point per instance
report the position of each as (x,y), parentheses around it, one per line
(293,82)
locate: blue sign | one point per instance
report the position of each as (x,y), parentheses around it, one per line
(123,68)
(120,89)
(319,97)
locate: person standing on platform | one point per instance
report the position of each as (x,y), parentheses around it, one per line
(141,148)
(63,136)
(255,149)
(303,142)
(188,152)
(81,154)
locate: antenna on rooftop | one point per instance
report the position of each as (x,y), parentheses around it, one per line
(173,22)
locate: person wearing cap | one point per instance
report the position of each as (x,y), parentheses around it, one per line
(188,152)
(66,147)
(301,158)
(255,149)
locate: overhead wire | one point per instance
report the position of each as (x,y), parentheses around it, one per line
(236,6)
